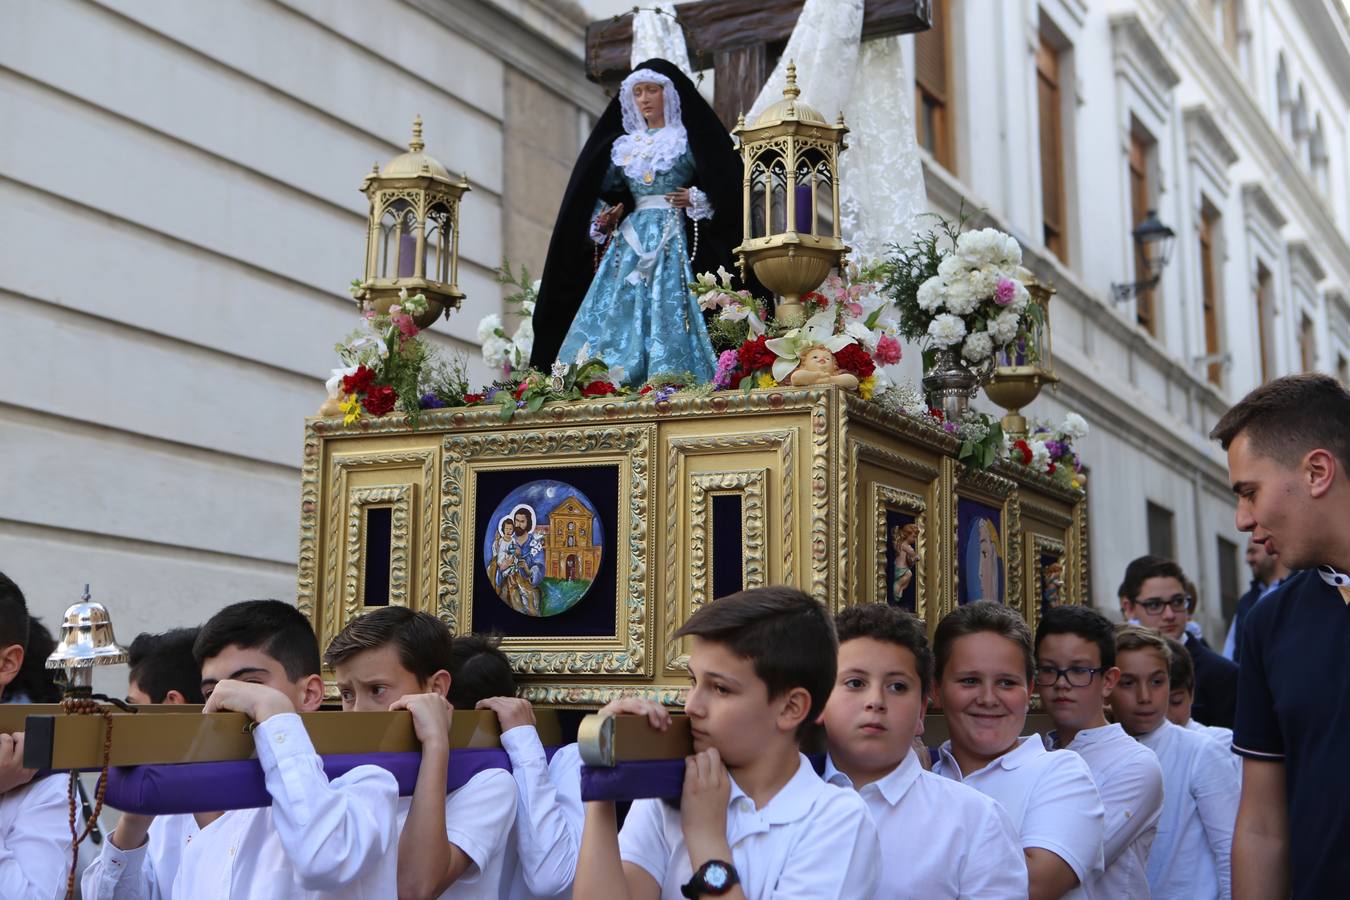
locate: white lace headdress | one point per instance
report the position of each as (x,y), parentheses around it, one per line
(639,154)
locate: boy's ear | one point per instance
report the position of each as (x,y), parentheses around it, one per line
(1109,680)
(311,693)
(174,698)
(11,661)
(439,683)
(793,708)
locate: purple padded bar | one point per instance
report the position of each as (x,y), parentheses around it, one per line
(239,784)
(640,780)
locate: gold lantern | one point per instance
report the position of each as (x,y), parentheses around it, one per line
(791,225)
(1025,365)
(412,237)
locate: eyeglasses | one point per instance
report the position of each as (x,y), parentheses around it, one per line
(1178,603)
(1076,676)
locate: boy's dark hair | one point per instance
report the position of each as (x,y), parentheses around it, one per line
(1288,417)
(975,618)
(787,635)
(35,681)
(423,641)
(1144,568)
(890,625)
(1084,622)
(13,614)
(277,629)
(478,670)
(164,662)
(1180,669)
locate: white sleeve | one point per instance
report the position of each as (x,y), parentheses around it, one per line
(1132,799)
(994,867)
(332,833)
(121,875)
(839,855)
(35,840)
(1065,816)
(642,840)
(1215,788)
(549,816)
(479,815)
(700,207)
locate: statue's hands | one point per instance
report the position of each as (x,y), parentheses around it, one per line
(680,199)
(609,217)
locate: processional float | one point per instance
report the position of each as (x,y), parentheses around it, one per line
(644,510)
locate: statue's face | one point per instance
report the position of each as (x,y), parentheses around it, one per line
(650,99)
(819,359)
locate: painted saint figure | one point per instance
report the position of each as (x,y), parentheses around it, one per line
(519,569)
(658,182)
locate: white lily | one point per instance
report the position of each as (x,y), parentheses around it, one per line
(737,312)
(819,329)
(725,277)
(334,384)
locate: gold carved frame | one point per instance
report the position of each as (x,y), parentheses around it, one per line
(997,491)
(626,652)
(1038,545)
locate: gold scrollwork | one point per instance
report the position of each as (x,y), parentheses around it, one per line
(399,499)
(1039,547)
(884,498)
(555,695)
(823,492)
(628,650)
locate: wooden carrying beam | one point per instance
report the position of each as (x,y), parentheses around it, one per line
(63,742)
(14,715)
(609,740)
(713,27)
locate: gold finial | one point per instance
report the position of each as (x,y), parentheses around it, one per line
(839,121)
(740,121)
(464,179)
(417,146)
(791,90)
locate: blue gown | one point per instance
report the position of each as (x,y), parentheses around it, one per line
(650,325)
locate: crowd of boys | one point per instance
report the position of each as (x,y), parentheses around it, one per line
(1127,796)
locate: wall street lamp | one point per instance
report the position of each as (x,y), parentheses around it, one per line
(1153,243)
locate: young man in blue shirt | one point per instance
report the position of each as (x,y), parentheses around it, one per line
(1288,446)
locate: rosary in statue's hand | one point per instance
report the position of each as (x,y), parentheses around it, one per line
(680,198)
(609,217)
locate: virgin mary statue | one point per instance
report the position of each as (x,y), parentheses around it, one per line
(655,196)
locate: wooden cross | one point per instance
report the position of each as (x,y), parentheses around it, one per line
(740,40)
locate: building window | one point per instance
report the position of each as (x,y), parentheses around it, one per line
(932,87)
(1161,537)
(1209,290)
(1229,585)
(1141,200)
(1050,103)
(1307,343)
(1265,322)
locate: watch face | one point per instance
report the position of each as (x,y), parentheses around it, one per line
(715,876)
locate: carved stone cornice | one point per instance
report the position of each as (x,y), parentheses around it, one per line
(1131,41)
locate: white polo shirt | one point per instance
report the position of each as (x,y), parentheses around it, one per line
(1191,856)
(1225,738)
(148,871)
(35,839)
(318,839)
(1050,798)
(478,818)
(1130,783)
(812,841)
(549,816)
(957,842)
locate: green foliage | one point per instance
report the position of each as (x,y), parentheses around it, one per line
(984,452)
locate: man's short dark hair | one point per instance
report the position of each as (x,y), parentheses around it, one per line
(277,629)
(478,670)
(1083,622)
(1287,418)
(423,641)
(787,635)
(976,618)
(35,681)
(13,614)
(1180,669)
(890,625)
(1144,568)
(164,662)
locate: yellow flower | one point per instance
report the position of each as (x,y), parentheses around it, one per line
(1075,483)
(765,380)
(351,405)
(867,386)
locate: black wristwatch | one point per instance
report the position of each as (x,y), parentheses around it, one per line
(713,879)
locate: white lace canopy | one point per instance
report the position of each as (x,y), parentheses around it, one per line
(639,154)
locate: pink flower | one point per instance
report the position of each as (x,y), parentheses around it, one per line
(888,350)
(1005,292)
(406,325)
(726,364)
(855,310)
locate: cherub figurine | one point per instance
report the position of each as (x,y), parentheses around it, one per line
(817,365)
(903,538)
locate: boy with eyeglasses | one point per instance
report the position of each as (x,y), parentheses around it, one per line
(1075,673)
(1153,594)
(1192,853)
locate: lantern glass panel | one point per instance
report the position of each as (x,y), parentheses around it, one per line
(398,241)
(759,182)
(777,197)
(438,243)
(824,179)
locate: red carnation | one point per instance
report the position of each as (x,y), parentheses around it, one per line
(1051,470)
(646,389)
(754,355)
(817,298)
(598,389)
(1023,448)
(935,413)
(470,399)
(380,400)
(855,359)
(359,381)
